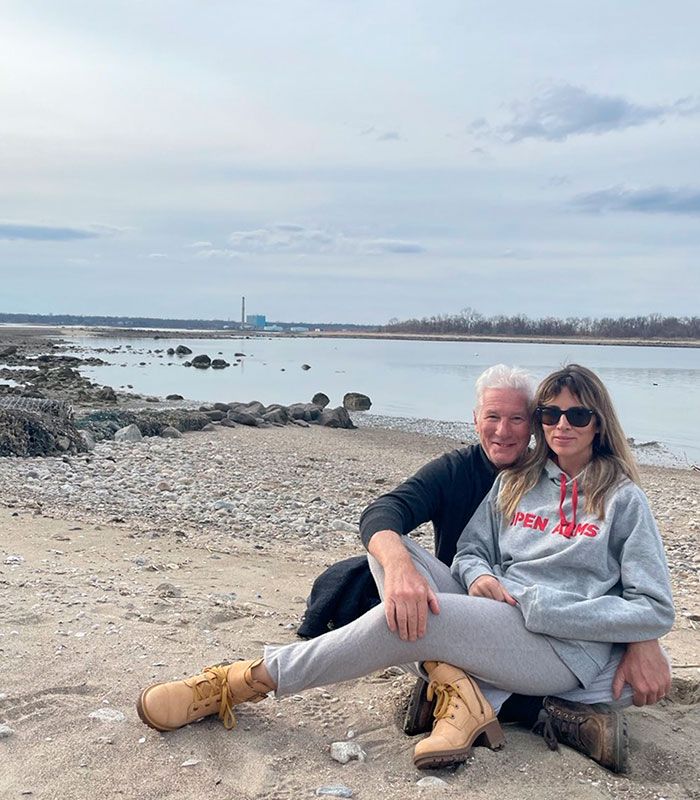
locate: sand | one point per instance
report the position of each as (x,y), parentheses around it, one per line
(86,622)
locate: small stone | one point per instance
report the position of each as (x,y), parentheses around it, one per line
(347,751)
(163,486)
(336,790)
(168,590)
(14,559)
(107,715)
(432,782)
(6,731)
(224,505)
(191,762)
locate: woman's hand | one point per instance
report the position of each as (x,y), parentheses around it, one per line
(488,586)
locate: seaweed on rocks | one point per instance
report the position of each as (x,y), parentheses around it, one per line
(104,423)
(26,433)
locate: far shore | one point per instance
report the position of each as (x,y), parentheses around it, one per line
(171,333)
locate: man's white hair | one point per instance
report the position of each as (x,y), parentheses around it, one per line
(501,376)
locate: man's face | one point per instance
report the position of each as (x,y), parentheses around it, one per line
(503,425)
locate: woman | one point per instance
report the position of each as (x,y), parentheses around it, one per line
(567,547)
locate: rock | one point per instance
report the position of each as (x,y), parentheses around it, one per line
(107,394)
(337,790)
(174,396)
(216,416)
(201,362)
(432,782)
(107,715)
(13,560)
(320,399)
(130,433)
(302,423)
(89,440)
(186,363)
(354,401)
(171,433)
(182,350)
(163,486)
(255,407)
(25,432)
(239,355)
(346,527)
(228,423)
(347,751)
(219,363)
(224,505)
(242,417)
(335,418)
(5,731)
(221,407)
(278,416)
(8,351)
(306,411)
(168,590)
(190,762)
(171,351)
(305,366)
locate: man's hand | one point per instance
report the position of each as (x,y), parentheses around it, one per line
(488,586)
(647,671)
(407,594)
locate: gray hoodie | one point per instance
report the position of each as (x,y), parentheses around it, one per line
(581,581)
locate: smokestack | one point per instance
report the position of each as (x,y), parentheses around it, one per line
(242,310)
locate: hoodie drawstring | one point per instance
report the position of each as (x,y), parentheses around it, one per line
(568,528)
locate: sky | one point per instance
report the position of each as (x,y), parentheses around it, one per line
(350,160)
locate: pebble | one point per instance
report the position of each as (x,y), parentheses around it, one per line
(107,715)
(5,731)
(432,782)
(14,559)
(347,751)
(190,762)
(336,790)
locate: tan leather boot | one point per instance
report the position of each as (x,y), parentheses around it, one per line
(462,716)
(167,706)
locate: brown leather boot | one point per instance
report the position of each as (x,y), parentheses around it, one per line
(462,716)
(597,731)
(167,706)
(419,712)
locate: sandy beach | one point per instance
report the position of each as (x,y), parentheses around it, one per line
(141,562)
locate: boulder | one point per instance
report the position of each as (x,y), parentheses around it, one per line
(305,366)
(171,433)
(201,362)
(216,415)
(8,351)
(277,416)
(26,433)
(354,401)
(255,407)
(242,417)
(171,351)
(220,407)
(182,350)
(174,397)
(320,399)
(129,434)
(228,423)
(335,418)
(219,363)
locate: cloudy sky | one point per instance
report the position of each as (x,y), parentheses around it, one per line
(349,160)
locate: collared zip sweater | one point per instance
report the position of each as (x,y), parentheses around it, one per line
(581,581)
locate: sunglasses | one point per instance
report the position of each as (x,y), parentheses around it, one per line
(578,416)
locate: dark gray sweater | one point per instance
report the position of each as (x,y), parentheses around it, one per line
(446,492)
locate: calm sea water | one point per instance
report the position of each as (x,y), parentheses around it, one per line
(655,389)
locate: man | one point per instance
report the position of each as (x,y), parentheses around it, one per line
(447,492)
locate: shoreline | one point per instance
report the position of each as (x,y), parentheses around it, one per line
(166,333)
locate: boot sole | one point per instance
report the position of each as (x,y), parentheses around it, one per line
(620,764)
(419,713)
(490,735)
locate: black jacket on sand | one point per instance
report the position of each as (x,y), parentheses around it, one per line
(446,492)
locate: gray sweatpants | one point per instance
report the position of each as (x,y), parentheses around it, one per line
(485,638)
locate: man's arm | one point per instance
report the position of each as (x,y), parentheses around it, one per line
(408,596)
(645,667)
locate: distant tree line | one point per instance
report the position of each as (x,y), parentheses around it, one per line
(471,322)
(156,322)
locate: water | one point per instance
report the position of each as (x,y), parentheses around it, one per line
(654,389)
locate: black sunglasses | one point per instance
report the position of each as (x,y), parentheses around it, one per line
(578,416)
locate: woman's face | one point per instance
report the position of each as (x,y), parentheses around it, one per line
(572,446)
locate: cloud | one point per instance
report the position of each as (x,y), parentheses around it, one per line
(47,233)
(564,110)
(199,245)
(389,136)
(654,200)
(292,239)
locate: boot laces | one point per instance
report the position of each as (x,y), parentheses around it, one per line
(446,698)
(547,726)
(214,682)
